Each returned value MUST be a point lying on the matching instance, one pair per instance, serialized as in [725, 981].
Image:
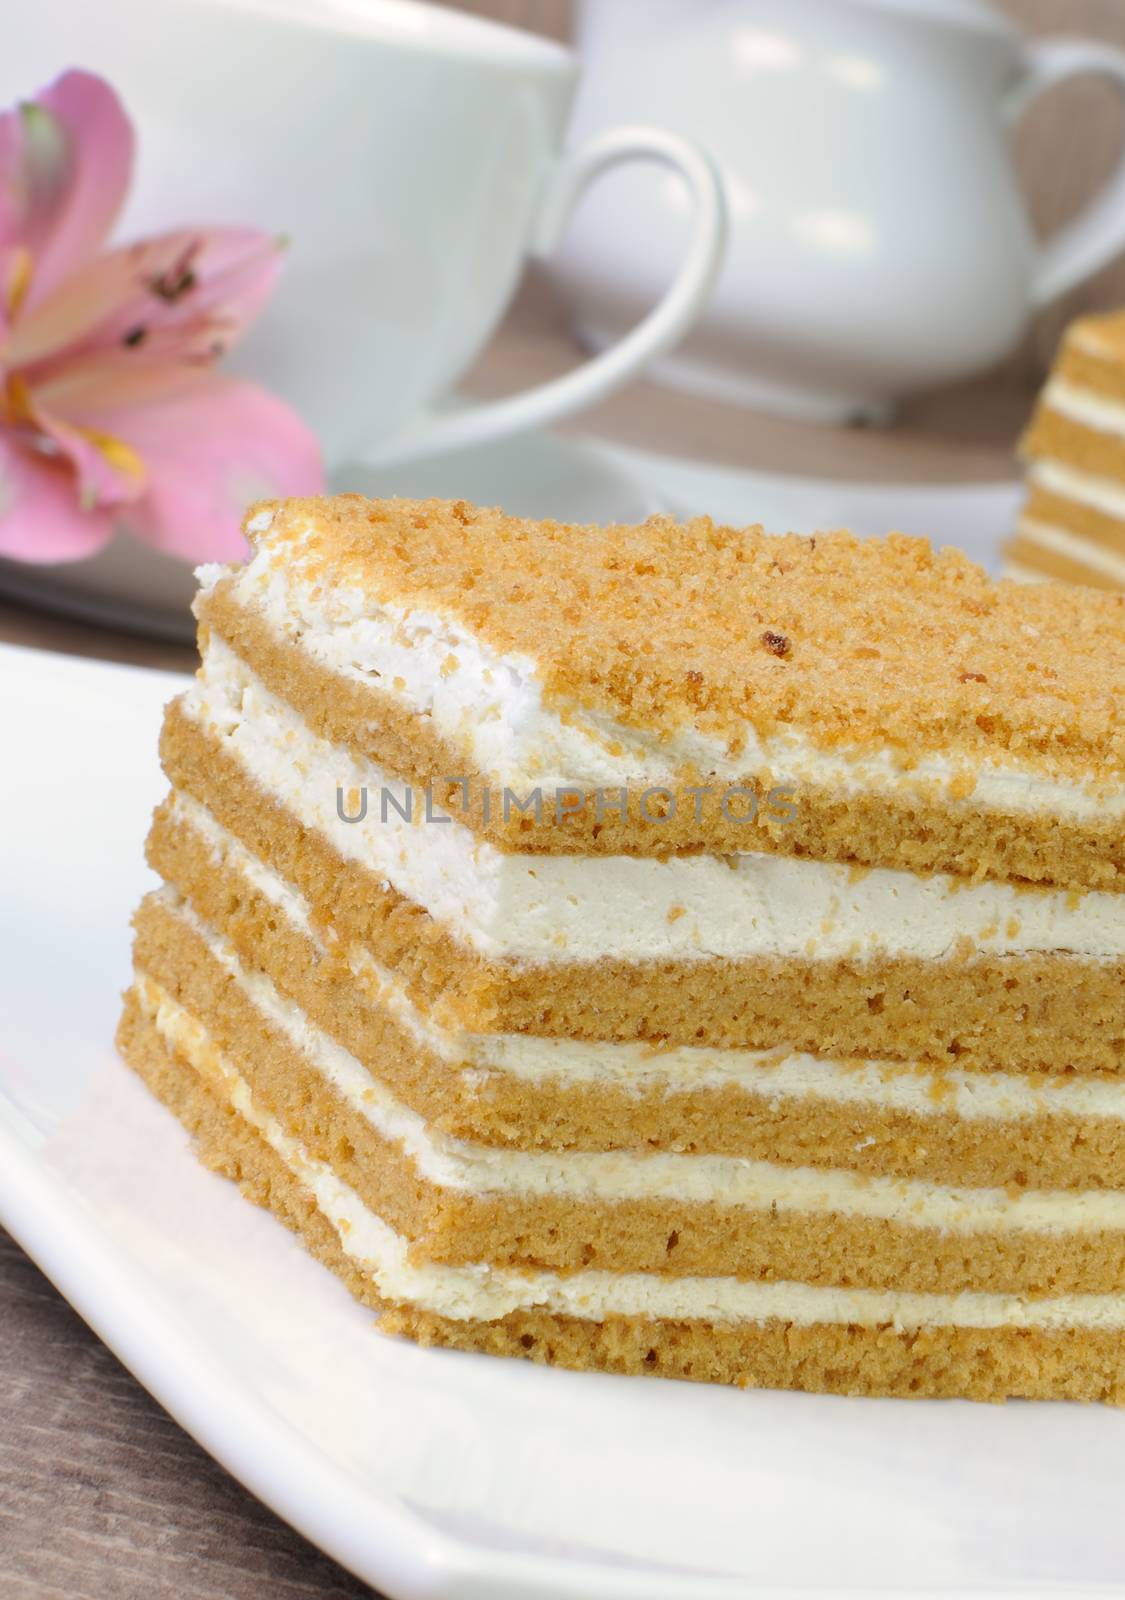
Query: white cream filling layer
[621, 1175]
[1064, 542]
[486, 1293]
[575, 908]
[778, 1075]
[1106, 495]
[1085, 406]
[491, 706]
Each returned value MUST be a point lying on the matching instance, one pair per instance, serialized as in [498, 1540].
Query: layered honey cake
[1072, 525]
[669, 949]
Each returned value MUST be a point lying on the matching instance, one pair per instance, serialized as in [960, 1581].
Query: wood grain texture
[103, 1496]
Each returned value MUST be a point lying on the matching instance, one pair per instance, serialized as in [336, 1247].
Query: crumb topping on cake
[850, 642]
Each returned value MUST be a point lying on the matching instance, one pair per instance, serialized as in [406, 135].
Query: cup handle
[664, 325]
[1097, 233]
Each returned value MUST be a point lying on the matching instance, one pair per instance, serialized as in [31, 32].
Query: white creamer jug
[879, 240]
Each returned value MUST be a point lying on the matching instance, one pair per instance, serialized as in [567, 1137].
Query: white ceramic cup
[412, 156]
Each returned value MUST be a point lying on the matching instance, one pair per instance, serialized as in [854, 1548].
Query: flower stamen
[15, 403]
[115, 452]
[20, 274]
[179, 279]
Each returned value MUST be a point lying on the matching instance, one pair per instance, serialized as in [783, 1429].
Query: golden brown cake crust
[1107, 532]
[1045, 1151]
[1048, 1013]
[992, 1364]
[912, 831]
[868, 644]
[1092, 355]
[1054, 437]
[687, 1238]
[826, 1358]
[1091, 359]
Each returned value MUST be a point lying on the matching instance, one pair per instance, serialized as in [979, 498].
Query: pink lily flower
[112, 411]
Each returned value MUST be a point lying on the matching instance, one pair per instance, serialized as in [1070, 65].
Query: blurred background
[877, 372]
[1065, 148]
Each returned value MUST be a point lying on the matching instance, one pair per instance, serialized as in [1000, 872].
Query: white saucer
[130, 586]
[436, 1475]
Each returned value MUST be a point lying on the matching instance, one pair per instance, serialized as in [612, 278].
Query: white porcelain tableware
[411, 156]
[879, 242]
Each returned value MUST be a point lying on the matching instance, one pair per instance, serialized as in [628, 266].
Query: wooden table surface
[102, 1496]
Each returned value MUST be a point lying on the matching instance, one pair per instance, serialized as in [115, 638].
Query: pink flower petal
[185, 296]
[107, 471]
[109, 382]
[66, 159]
[40, 519]
[207, 455]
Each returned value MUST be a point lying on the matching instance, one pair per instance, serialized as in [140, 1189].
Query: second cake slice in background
[1072, 525]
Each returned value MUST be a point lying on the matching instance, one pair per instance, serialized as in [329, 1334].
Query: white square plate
[434, 1473]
